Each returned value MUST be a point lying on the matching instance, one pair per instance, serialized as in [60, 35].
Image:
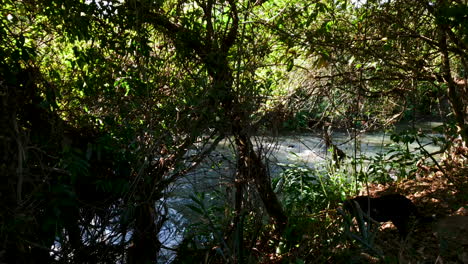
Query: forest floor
[440, 193]
[443, 194]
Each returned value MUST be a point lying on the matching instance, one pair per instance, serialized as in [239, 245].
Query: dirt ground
[440, 191]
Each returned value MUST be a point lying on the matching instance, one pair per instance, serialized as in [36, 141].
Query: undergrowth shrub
[306, 190]
[310, 196]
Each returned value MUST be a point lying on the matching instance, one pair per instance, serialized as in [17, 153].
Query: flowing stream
[216, 173]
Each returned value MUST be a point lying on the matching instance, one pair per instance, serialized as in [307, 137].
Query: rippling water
[217, 171]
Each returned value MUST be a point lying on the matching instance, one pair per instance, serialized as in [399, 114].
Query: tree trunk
[455, 93]
[213, 53]
[338, 155]
[146, 244]
[250, 165]
[253, 169]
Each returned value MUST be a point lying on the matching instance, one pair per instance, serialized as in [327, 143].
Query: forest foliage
[106, 106]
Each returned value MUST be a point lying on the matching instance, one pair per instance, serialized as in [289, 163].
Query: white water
[307, 150]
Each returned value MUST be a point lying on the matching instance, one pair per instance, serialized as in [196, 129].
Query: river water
[216, 173]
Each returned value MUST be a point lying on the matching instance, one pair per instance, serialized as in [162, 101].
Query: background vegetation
[108, 106]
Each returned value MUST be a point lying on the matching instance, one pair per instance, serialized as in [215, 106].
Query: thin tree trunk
[254, 169]
[146, 244]
[238, 197]
[455, 94]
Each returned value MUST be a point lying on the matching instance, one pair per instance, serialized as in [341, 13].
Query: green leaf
[195, 209]
[290, 64]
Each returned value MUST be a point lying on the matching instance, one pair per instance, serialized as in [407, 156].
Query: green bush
[305, 190]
